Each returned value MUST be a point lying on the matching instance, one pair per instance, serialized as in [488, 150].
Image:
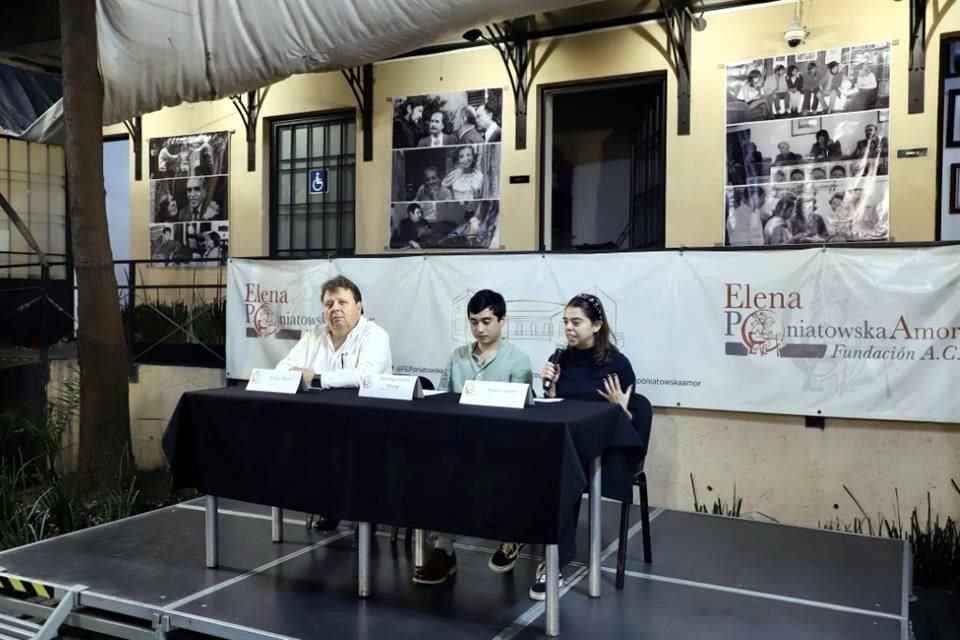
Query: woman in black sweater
[590, 368]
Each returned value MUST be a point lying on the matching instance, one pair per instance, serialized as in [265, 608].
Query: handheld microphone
[553, 359]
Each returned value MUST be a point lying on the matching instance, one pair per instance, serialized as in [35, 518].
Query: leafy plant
[210, 322]
[165, 322]
[15, 441]
[29, 513]
[719, 508]
[62, 506]
[38, 439]
[935, 545]
[116, 502]
[157, 322]
[36, 499]
[21, 521]
[60, 413]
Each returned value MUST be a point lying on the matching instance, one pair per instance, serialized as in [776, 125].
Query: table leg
[363, 546]
[276, 525]
[553, 591]
[210, 527]
[595, 518]
[419, 548]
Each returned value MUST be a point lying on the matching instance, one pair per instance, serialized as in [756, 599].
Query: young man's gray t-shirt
[509, 364]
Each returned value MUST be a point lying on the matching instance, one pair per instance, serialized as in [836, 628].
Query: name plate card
[390, 387]
[275, 381]
[484, 393]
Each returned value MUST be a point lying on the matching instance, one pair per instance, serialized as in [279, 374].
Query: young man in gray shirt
[491, 358]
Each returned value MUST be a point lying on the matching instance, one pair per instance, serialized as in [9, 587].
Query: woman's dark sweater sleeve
[624, 371]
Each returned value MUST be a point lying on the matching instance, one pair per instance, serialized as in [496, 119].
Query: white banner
[859, 333]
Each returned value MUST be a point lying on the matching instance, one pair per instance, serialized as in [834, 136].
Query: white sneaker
[538, 590]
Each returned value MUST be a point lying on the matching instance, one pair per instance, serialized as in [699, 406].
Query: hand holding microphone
[551, 373]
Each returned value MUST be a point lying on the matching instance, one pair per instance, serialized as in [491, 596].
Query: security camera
[795, 34]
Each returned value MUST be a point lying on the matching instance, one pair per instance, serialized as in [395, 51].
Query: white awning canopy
[165, 52]
[162, 53]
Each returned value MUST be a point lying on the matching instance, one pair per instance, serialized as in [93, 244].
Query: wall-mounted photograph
[808, 147]
[843, 80]
[446, 161]
[472, 224]
[189, 189]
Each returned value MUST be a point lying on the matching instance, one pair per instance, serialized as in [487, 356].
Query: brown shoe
[439, 566]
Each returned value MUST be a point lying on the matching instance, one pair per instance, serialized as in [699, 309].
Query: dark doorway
[604, 152]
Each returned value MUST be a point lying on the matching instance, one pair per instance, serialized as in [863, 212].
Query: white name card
[275, 381]
[390, 387]
[509, 395]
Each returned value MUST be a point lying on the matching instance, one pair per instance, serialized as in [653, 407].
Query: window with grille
[302, 223]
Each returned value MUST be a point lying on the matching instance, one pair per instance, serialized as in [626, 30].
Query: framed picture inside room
[953, 122]
[805, 126]
[955, 187]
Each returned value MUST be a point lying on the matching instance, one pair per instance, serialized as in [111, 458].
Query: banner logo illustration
[762, 333]
[264, 321]
[754, 316]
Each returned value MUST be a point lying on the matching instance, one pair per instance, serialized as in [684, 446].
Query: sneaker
[505, 557]
[538, 591]
[439, 566]
[323, 523]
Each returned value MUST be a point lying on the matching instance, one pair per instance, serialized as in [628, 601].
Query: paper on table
[547, 400]
[432, 392]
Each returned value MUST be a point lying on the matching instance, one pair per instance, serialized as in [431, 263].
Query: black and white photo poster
[807, 149]
[445, 187]
[189, 178]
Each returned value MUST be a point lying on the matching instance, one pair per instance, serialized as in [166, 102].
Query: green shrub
[719, 508]
[935, 544]
[173, 322]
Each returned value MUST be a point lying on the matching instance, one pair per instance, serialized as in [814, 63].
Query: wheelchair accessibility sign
[318, 181]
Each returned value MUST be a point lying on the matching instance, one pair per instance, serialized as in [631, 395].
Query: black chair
[642, 412]
[426, 385]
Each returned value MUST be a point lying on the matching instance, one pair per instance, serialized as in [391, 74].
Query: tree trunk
[104, 451]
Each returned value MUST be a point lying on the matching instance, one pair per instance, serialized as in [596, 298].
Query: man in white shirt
[346, 347]
[340, 352]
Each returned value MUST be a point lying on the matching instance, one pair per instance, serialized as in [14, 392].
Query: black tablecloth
[504, 474]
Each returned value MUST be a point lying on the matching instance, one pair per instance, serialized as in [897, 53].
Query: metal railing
[36, 307]
[173, 315]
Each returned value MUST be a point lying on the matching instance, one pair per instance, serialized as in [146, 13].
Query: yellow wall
[781, 468]
[153, 397]
[249, 191]
[694, 216]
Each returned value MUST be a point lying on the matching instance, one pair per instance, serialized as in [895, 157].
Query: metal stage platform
[711, 577]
